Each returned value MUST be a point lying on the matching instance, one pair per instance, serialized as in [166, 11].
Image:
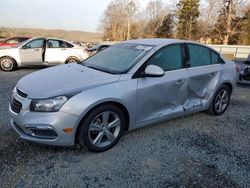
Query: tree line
[208, 21]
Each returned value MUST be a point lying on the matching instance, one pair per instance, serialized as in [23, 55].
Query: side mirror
[154, 71]
[24, 47]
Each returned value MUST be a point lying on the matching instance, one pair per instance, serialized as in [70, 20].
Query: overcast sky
[54, 14]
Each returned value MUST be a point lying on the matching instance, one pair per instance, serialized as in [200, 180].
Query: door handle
[63, 49]
[212, 74]
[35, 50]
[179, 82]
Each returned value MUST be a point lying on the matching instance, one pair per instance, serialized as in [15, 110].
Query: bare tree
[210, 12]
[114, 21]
[228, 25]
[154, 14]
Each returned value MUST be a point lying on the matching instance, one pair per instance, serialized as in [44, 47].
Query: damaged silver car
[128, 85]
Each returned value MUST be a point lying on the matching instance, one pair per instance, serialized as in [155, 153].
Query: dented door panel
[202, 83]
[160, 97]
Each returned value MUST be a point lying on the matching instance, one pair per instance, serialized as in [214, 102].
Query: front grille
[20, 93]
[15, 105]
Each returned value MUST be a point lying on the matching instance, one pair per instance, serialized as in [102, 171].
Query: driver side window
[38, 43]
[168, 58]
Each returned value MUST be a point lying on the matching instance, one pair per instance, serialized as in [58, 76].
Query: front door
[162, 97]
[32, 52]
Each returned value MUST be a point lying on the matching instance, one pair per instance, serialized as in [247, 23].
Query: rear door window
[199, 55]
[53, 44]
[57, 44]
[215, 58]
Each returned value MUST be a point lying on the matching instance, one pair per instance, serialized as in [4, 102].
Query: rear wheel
[102, 128]
[7, 64]
[220, 101]
[72, 60]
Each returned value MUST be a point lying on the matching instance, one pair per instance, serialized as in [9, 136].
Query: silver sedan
[41, 51]
[126, 86]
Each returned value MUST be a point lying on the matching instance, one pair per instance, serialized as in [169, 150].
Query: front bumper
[56, 121]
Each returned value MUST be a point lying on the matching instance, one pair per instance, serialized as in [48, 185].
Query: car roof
[51, 38]
[159, 41]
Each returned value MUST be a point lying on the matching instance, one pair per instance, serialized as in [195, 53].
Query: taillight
[85, 51]
[237, 68]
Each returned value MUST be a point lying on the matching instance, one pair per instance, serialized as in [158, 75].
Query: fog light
[40, 130]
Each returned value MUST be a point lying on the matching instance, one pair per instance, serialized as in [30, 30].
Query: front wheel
[102, 128]
[7, 64]
[220, 101]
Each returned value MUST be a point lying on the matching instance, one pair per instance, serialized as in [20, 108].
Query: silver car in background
[41, 51]
[126, 86]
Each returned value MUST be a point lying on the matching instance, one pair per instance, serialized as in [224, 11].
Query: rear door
[163, 96]
[55, 51]
[32, 52]
[58, 51]
[203, 73]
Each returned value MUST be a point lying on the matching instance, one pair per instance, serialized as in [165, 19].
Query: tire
[102, 128]
[7, 64]
[220, 101]
[72, 60]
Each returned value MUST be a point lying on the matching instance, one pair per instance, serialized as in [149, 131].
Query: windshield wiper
[99, 69]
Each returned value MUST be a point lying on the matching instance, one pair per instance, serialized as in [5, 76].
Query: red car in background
[13, 41]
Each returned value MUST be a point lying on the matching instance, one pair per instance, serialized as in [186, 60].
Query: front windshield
[118, 58]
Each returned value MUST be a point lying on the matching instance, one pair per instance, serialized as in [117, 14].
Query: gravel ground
[194, 151]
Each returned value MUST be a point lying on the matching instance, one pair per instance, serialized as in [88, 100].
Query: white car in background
[41, 51]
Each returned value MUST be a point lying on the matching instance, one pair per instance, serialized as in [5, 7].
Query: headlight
[47, 105]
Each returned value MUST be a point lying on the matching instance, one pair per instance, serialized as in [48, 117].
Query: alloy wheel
[222, 100]
[104, 129]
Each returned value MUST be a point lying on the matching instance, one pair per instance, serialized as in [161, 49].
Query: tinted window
[56, 44]
[215, 58]
[68, 45]
[118, 58]
[199, 55]
[38, 43]
[168, 58]
[53, 44]
[22, 39]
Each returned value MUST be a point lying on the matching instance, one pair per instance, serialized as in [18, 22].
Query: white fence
[233, 51]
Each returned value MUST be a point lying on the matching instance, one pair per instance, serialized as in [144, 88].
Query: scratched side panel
[202, 83]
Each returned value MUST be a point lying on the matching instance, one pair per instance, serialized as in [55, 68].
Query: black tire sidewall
[214, 111]
[84, 127]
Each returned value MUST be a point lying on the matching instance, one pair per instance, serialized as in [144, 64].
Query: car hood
[63, 80]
